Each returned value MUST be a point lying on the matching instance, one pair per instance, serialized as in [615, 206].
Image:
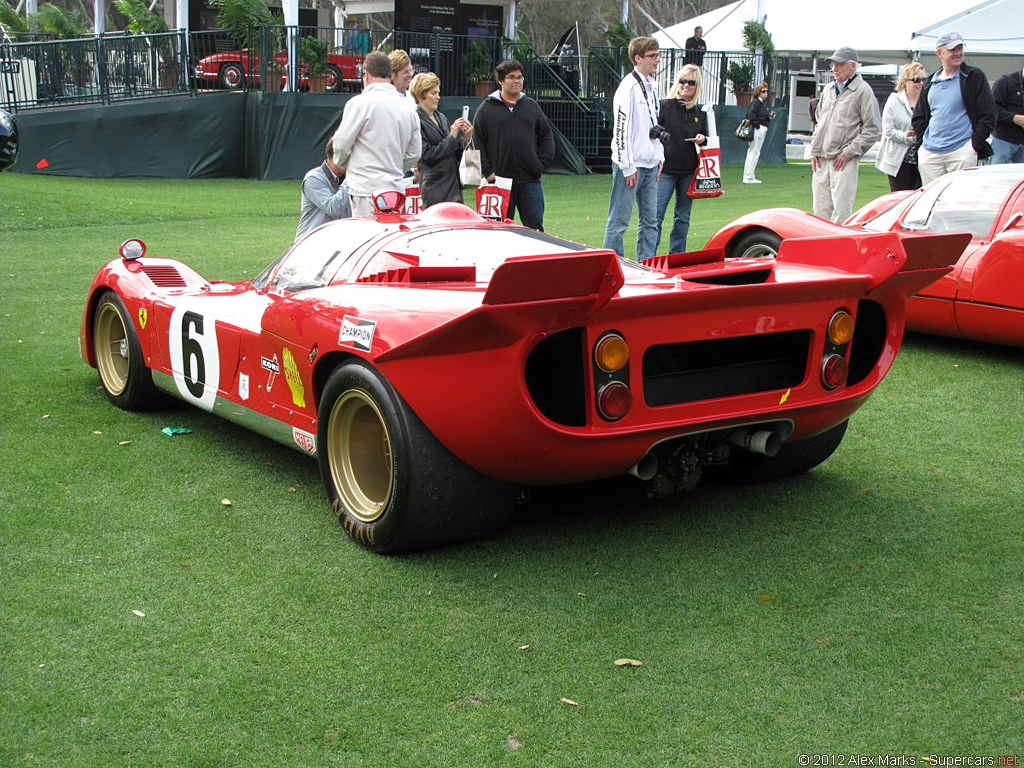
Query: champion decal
[357, 332]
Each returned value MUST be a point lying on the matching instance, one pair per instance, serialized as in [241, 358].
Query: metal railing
[98, 70]
[728, 76]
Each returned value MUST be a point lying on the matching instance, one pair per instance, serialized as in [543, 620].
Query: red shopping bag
[707, 181]
[413, 202]
[492, 198]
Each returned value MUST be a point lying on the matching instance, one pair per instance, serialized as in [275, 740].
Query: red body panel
[208, 68]
[457, 351]
[982, 298]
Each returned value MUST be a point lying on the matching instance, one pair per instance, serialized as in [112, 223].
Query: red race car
[435, 364]
[230, 69]
[982, 298]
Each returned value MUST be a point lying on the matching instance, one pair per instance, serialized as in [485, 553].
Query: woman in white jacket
[897, 157]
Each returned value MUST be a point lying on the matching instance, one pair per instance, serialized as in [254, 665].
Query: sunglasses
[916, 79]
[688, 82]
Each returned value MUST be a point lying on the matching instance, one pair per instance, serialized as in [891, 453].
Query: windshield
[316, 260]
[883, 222]
[485, 248]
[966, 202]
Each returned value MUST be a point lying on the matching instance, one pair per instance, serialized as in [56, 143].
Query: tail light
[614, 400]
[613, 397]
[834, 370]
[611, 353]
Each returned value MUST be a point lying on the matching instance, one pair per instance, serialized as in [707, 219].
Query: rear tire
[334, 83]
[231, 76]
[391, 483]
[126, 380]
[756, 244]
[792, 459]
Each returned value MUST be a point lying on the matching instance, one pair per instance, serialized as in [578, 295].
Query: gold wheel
[359, 455]
[113, 351]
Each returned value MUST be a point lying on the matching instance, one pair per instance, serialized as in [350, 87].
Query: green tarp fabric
[254, 135]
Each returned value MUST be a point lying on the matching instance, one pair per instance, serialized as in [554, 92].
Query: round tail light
[614, 400]
[834, 370]
[611, 353]
[840, 328]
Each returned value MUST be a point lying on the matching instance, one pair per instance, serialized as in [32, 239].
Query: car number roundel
[195, 357]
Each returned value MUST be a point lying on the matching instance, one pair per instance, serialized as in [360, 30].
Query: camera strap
[653, 112]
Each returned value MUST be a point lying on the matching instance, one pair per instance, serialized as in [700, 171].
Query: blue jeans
[667, 184]
[528, 198]
[620, 210]
[1006, 152]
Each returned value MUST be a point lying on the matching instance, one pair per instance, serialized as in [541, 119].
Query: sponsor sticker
[293, 379]
[243, 386]
[304, 440]
[357, 332]
[272, 367]
[143, 317]
[312, 353]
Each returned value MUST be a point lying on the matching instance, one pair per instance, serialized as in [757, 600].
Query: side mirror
[132, 249]
[389, 201]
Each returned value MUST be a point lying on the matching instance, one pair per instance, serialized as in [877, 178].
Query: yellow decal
[785, 396]
[143, 317]
[291, 375]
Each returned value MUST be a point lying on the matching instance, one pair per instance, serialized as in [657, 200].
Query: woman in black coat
[442, 143]
[758, 115]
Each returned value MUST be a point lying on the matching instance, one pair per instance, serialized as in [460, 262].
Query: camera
[657, 132]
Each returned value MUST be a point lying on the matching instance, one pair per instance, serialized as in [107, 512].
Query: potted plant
[313, 53]
[479, 73]
[741, 75]
[755, 37]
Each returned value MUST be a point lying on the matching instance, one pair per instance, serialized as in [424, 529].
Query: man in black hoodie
[515, 141]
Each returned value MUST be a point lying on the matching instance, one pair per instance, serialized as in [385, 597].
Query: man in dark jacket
[515, 141]
[1008, 139]
[954, 115]
[695, 47]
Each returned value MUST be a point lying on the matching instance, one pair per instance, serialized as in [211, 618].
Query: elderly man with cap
[848, 125]
[954, 115]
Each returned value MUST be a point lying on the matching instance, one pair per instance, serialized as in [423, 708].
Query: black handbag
[745, 130]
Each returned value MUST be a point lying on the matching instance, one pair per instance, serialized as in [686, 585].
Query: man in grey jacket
[324, 196]
[848, 125]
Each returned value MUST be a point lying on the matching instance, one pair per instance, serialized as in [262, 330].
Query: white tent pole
[291, 21]
[99, 17]
[625, 12]
[759, 57]
[660, 28]
[510, 25]
[735, 8]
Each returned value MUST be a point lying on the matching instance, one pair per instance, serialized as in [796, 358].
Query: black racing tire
[334, 83]
[394, 487]
[124, 376]
[231, 76]
[755, 244]
[792, 459]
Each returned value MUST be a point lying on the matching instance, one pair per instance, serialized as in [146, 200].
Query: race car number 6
[195, 358]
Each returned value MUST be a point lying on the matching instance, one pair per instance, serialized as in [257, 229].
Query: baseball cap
[843, 55]
[949, 40]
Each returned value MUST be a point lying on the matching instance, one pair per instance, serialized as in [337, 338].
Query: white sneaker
[751, 181]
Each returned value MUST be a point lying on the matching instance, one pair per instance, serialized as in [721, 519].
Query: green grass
[896, 568]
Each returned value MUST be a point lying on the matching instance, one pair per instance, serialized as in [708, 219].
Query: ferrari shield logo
[143, 317]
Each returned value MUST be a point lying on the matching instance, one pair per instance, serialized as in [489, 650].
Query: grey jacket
[848, 123]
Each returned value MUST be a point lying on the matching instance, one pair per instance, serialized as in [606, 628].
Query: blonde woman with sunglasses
[897, 157]
[687, 124]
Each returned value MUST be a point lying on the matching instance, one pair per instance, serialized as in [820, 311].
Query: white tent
[882, 31]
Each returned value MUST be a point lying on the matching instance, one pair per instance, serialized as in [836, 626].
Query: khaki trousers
[833, 191]
[935, 164]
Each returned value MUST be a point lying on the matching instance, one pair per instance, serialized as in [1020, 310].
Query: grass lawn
[872, 606]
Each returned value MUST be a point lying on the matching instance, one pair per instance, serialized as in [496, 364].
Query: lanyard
[652, 112]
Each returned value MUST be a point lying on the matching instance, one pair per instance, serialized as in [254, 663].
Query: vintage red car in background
[982, 298]
[435, 364]
[232, 69]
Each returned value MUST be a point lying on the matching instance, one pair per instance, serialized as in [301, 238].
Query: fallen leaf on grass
[291, 489]
[570, 702]
[581, 594]
[125, 442]
[524, 647]
[225, 502]
[46, 415]
[628, 663]
[762, 598]
[96, 432]
[822, 638]
[140, 614]
[514, 742]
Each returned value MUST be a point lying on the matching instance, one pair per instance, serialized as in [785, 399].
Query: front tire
[126, 380]
[756, 244]
[792, 459]
[230, 76]
[334, 83]
[392, 484]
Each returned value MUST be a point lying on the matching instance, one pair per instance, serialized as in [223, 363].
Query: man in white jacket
[636, 157]
[378, 138]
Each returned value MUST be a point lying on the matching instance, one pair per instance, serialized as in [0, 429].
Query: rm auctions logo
[357, 332]
[304, 440]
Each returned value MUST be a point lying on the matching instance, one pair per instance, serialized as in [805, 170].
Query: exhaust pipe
[646, 468]
[764, 441]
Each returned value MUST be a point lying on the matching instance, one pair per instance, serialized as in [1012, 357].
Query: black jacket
[439, 162]
[1008, 93]
[981, 109]
[515, 143]
[757, 113]
[683, 123]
